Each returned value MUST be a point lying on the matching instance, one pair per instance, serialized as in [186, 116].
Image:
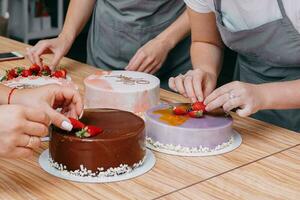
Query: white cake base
[184, 151]
[148, 164]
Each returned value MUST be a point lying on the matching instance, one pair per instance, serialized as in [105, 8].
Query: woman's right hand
[58, 46]
[195, 84]
[20, 130]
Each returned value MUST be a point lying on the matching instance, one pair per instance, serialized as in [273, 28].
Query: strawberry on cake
[125, 90]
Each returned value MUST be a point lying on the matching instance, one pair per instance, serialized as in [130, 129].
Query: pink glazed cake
[124, 90]
[184, 134]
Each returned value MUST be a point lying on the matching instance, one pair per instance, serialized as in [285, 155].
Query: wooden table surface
[266, 160]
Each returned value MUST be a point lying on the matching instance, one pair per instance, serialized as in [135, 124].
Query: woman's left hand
[49, 98]
[248, 98]
[150, 57]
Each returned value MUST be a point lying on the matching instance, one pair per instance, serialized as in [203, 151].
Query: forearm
[78, 14]
[4, 92]
[207, 57]
[177, 31]
[280, 95]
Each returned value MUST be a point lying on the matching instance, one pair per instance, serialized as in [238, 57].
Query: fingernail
[80, 116]
[194, 99]
[66, 126]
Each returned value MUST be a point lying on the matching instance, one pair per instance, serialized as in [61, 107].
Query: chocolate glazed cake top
[121, 142]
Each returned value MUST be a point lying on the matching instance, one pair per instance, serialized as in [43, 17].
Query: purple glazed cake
[184, 134]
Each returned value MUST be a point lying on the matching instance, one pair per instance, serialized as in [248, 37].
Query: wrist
[69, 37]
[265, 100]
[168, 42]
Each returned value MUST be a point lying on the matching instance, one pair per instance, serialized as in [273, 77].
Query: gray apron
[120, 27]
[268, 53]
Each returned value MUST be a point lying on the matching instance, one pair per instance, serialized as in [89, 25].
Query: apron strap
[217, 5]
[281, 7]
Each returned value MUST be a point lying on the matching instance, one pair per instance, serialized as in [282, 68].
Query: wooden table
[266, 164]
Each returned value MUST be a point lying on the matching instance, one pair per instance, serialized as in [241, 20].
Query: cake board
[147, 166]
[237, 141]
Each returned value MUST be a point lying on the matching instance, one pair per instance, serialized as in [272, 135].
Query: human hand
[195, 84]
[150, 57]
[50, 97]
[248, 98]
[58, 46]
[20, 130]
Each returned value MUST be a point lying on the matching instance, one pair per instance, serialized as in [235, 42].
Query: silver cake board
[237, 141]
[147, 166]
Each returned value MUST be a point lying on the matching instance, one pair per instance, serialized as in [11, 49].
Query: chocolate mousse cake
[118, 149]
[184, 134]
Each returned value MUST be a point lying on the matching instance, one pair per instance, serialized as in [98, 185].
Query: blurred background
[31, 20]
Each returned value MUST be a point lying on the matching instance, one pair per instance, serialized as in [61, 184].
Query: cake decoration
[33, 70]
[84, 130]
[188, 128]
[124, 90]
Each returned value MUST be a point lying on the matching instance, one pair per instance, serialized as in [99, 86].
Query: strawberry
[35, 69]
[19, 70]
[60, 74]
[12, 73]
[89, 131]
[179, 110]
[198, 106]
[46, 71]
[196, 113]
[26, 73]
[76, 123]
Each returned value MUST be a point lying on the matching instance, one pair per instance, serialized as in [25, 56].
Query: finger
[218, 102]
[197, 82]
[33, 142]
[137, 62]
[29, 55]
[232, 103]
[37, 115]
[59, 120]
[21, 152]
[188, 85]
[155, 67]
[147, 63]
[36, 129]
[244, 112]
[56, 59]
[72, 96]
[172, 84]
[218, 92]
[179, 85]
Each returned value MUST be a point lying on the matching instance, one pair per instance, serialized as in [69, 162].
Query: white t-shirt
[248, 14]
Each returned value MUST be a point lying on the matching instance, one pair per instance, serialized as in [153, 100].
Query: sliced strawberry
[198, 106]
[196, 113]
[26, 73]
[89, 131]
[64, 72]
[76, 123]
[59, 74]
[46, 71]
[19, 70]
[12, 73]
[35, 69]
[179, 110]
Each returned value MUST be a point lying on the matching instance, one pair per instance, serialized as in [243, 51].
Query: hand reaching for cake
[195, 84]
[51, 97]
[248, 98]
[150, 57]
[20, 130]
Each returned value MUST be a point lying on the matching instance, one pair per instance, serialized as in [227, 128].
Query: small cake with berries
[35, 76]
[187, 128]
[102, 144]
[124, 90]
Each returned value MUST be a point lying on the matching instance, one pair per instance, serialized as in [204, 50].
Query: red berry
[76, 123]
[198, 106]
[179, 110]
[35, 69]
[12, 73]
[26, 73]
[89, 131]
[64, 72]
[196, 113]
[59, 74]
[46, 71]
